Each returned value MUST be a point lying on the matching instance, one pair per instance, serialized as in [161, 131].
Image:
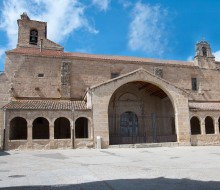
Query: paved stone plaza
[151, 168]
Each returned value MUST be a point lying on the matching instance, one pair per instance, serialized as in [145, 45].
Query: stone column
[6, 137]
[29, 135]
[51, 126]
[90, 125]
[216, 126]
[203, 126]
[72, 132]
[51, 135]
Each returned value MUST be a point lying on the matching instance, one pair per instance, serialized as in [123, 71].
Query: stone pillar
[203, 126]
[6, 136]
[29, 135]
[51, 135]
[51, 131]
[90, 131]
[182, 122]
[216, 126]
[72, 132]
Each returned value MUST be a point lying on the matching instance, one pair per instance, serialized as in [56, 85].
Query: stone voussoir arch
[198, 117]
[102, 93]
[54, 119]
[49, 120]
[213, 118]
[84, 116]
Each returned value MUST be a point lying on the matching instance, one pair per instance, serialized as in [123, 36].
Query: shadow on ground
[130, 184]
[3, 153]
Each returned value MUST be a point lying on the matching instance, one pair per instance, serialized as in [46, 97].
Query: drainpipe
[4, 130]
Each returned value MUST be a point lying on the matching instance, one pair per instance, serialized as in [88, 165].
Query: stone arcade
[56, 99]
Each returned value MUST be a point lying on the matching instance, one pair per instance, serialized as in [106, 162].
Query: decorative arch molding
[102, 93]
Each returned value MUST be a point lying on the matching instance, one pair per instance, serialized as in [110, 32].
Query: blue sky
[165, 29]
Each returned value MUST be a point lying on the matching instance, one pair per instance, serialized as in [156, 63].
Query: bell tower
[204, 57]
[33, 34]
[30, 32]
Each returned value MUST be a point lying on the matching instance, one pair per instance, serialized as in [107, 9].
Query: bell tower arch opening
[141, 112]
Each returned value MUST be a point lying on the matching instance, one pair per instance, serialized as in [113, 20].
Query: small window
[194, 84]
[114, 75]
[40, 75]
[33, 37]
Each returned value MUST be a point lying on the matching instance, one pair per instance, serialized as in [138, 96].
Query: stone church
[56, 99]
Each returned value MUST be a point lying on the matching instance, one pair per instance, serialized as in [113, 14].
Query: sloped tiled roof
[46, 105]
[212, 106]
[57, 53]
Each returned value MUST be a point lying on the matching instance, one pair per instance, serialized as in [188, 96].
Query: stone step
[145, 145]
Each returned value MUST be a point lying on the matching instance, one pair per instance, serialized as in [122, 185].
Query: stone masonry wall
[4, 98]
[86, 73]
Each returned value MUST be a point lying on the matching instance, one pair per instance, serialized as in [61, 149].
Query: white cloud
[63, 17]
[147, 29]
[125, 3]
[101, 4]
[190, 58]
[217, 55]
[10, 13]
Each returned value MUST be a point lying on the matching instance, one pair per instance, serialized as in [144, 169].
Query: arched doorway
[62, 128]
[128, 124]
[40, 128]
[209, 125]
[81, 128]
[18, 129]
[195, 126]
[146, 110]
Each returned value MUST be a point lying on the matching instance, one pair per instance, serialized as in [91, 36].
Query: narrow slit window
[194, 84]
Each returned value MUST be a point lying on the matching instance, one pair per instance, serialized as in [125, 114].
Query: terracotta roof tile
[59, 53]
[214, 106]
[46, 105]
[35, 51]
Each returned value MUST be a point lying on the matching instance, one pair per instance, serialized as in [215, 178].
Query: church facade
[56, 99]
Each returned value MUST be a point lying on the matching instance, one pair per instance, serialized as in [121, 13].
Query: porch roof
[45, 105]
